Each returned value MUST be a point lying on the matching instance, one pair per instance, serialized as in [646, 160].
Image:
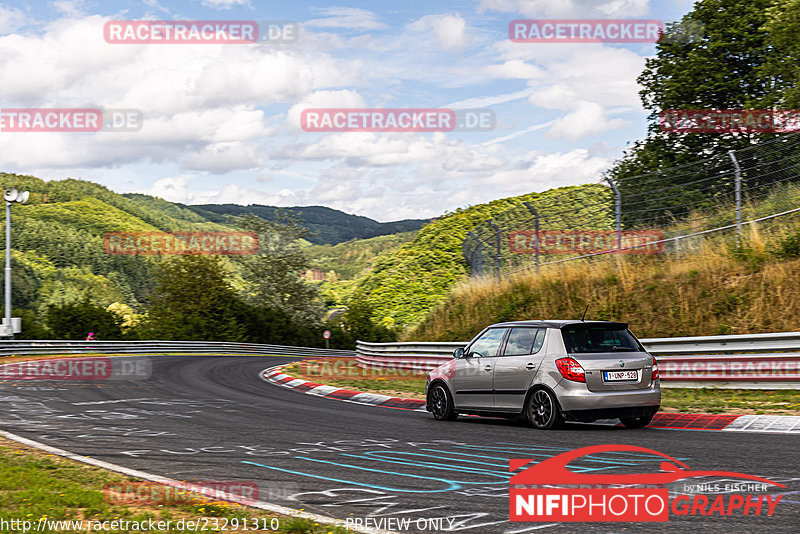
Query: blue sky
[221, 122]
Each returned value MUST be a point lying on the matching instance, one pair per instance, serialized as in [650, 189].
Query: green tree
[273, 277]
[727, 66]
[194, 300]
[357, 322]
[783, 26]
[75, 320]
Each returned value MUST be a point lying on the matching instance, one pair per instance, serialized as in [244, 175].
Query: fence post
[477, 267]
[497, 247]
[738, 181]
[536, 230]
[617, 212]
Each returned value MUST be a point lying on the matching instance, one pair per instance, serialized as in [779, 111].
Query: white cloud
[219, 158]
[213, 110]
[449, 30]
[515, 69]
[322, 100]
[11, 19]
[70, 8]
[568, 8]
[226, 4]
[586, 118]
[347, 18]
[407, 175]
[197, 101]
[582, 81]
[171, 189]
[519, 133]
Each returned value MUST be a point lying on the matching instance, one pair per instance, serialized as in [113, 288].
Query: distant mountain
[330, 226]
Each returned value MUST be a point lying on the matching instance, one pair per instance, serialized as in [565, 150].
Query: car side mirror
[458, 353]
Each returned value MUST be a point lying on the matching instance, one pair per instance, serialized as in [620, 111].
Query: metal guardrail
[26, 347]
[749, 361]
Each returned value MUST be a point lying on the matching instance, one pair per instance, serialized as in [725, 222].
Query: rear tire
[441, 404]
[636, 422]
[542, 410]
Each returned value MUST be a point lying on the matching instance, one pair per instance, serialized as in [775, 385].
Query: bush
[788, 247]
[76, 320]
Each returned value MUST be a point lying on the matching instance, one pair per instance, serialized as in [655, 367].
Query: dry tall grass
[716, 288]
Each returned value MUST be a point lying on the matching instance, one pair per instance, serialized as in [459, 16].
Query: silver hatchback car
[549, 372]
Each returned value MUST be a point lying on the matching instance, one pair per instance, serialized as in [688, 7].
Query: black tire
[543, 411]
[636, 422]
[441, 404]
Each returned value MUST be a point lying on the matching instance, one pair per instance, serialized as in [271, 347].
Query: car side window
[488, 344]
[524, 341]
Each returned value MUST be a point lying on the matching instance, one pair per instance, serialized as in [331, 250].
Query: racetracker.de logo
[180, 243]
[585, 242]
[537, 493]
[397, 120]
[189, 492]
[69, 120]
[585, 31]
[729, 120]
[199, 32]
[94, 368]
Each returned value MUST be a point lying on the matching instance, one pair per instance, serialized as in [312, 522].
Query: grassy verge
[716, 286]
[36, 486]
[346, 374]
[731, 401]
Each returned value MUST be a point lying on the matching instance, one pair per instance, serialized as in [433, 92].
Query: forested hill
[329, 226]
[57, 243]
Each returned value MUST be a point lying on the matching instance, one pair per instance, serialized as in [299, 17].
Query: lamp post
[10, 195]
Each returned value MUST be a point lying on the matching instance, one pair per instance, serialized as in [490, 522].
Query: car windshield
[598, 338]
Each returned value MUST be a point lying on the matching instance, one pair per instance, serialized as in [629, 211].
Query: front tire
[636, 422]
[542, 410]
[442, 404]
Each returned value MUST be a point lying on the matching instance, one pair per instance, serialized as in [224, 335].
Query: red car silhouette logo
[553, 471]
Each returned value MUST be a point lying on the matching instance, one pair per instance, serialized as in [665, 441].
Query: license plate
[619, 376]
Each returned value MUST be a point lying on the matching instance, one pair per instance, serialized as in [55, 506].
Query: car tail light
[656, 372]
[570, 369]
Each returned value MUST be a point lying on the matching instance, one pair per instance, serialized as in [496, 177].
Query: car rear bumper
[610, 413]
[576, 397]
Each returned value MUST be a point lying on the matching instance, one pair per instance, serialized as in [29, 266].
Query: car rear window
[598, 338]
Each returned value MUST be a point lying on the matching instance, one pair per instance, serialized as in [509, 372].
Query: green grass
[35, 485]
[781, 401]
[346, 374]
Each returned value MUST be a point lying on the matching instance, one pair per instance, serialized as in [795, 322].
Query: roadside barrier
[26, 347]
[748, 361]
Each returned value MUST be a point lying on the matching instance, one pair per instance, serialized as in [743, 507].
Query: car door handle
[530, 366]
[487, 368]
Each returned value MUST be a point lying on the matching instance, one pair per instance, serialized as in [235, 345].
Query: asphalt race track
[214, 418]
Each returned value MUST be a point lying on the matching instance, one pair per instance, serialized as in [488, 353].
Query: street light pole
[7, 319]
[10, 195]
